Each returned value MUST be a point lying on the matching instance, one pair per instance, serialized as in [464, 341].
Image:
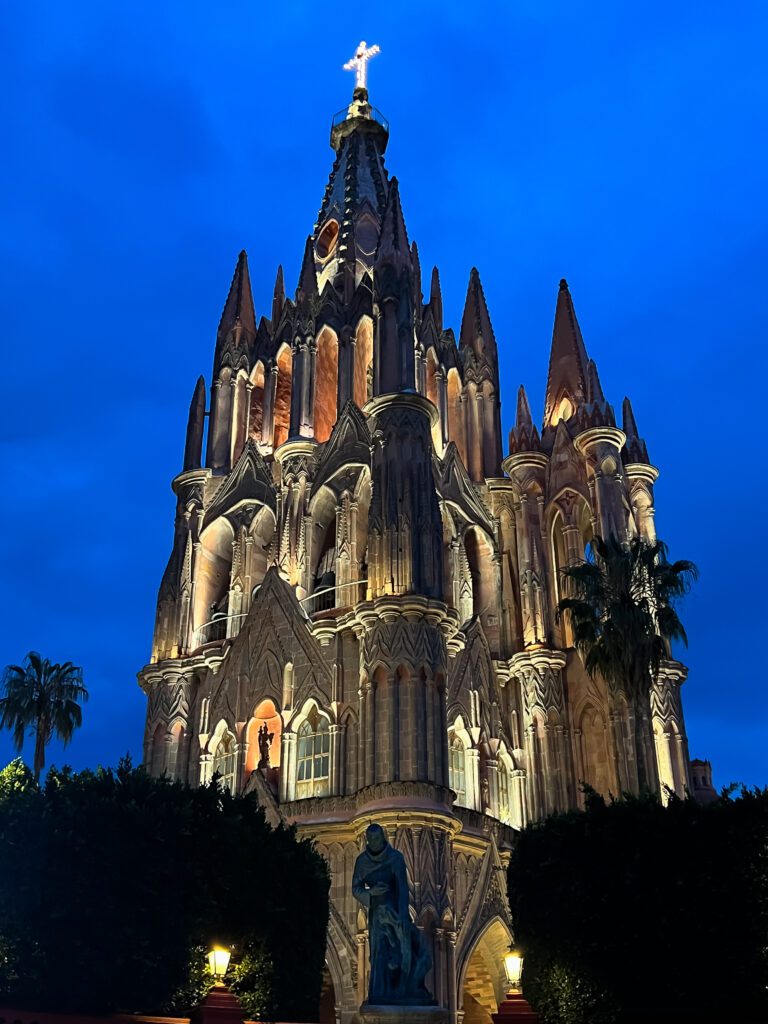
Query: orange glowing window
[326, 241]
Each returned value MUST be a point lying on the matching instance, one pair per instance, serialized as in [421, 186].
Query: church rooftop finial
[359, 63]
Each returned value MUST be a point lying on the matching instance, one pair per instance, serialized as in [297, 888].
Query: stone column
[268, 417]
[288, 767]
[451, 978]
[336, 780]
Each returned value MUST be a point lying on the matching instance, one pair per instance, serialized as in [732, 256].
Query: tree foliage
[622, 610]
[113, 884]
[632, 911]
[44, 699]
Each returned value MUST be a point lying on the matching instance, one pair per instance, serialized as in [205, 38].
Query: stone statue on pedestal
[399, 957]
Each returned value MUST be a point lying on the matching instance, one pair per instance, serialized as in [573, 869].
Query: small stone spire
[635, 449]
[436, 300]
[238, 309]
[278, 296]
[476, 330]
[567, 377]
[193, 448]
[594, 389]
[307, 286]
[416, 269]
[393, 242]
[524, 418]
[523, 437]
[237, 327]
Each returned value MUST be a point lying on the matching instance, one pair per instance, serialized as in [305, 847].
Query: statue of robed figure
[399, 957]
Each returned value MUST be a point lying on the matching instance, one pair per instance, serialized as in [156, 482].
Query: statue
[399, 957]
[265, 742]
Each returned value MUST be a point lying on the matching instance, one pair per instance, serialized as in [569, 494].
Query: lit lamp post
[220, 1006]
[218, 962]
[515, 1009]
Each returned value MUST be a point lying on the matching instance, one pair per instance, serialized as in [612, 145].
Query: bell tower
[358, 618]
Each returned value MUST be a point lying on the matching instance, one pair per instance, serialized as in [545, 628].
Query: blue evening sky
[621, 146]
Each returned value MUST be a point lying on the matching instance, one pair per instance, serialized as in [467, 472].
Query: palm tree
[622, 613]
[43, 699]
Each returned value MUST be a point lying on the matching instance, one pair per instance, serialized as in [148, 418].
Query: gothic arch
[594, 749]
[266, 714]
[456, 428]
[240, 409]
[213, 566]
[480, 971]
[325, 408]
[256, 413]
[363, 368]
[282, 407]
[432, 385]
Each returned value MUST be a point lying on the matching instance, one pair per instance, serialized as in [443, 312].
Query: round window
[326, 240]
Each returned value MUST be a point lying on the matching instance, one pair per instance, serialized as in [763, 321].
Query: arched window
[457, 773]
[505, 806]
[224, 762]
[313, 756]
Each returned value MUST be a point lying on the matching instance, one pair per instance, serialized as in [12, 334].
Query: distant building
[357, 619]
[701, 782]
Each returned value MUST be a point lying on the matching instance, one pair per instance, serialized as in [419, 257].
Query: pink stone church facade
[358, 616]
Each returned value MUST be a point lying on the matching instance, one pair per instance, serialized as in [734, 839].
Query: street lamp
[513, 967]
[218, 962]
[515, 1009]
[220, 1006]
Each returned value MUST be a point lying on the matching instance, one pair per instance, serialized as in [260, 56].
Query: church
[358, 620]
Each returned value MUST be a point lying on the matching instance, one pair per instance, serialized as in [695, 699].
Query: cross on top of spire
[359, 63]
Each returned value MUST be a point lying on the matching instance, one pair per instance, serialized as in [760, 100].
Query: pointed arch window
[457, 771]
[313, 756]
[224, 762]
[505, 807]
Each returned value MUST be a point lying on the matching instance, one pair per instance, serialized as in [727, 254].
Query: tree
[631, 911]
[113, 884]
[622, 612]
[42, 699]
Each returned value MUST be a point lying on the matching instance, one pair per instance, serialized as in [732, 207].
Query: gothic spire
[307, 286]
[237, 327]
[436, 300]
[278, 296]
[567, 378]
[476, 330]
[523, 418]
[594, 388]
[635, 449]
[193, 449]
[523, 437]
[393, 247]
[416, 266]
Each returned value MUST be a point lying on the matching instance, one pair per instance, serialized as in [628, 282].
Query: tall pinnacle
[476, 330]
[523, 418]
[567, 378]
[436, 300]
[308, 276]
[635, 449]
[393, 241]
[238, 309]
[237, 327]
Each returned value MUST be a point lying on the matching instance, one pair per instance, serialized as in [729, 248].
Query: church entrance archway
[327, 1013]
[482, 984]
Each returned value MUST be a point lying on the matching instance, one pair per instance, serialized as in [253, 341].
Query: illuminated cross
[359, 63]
